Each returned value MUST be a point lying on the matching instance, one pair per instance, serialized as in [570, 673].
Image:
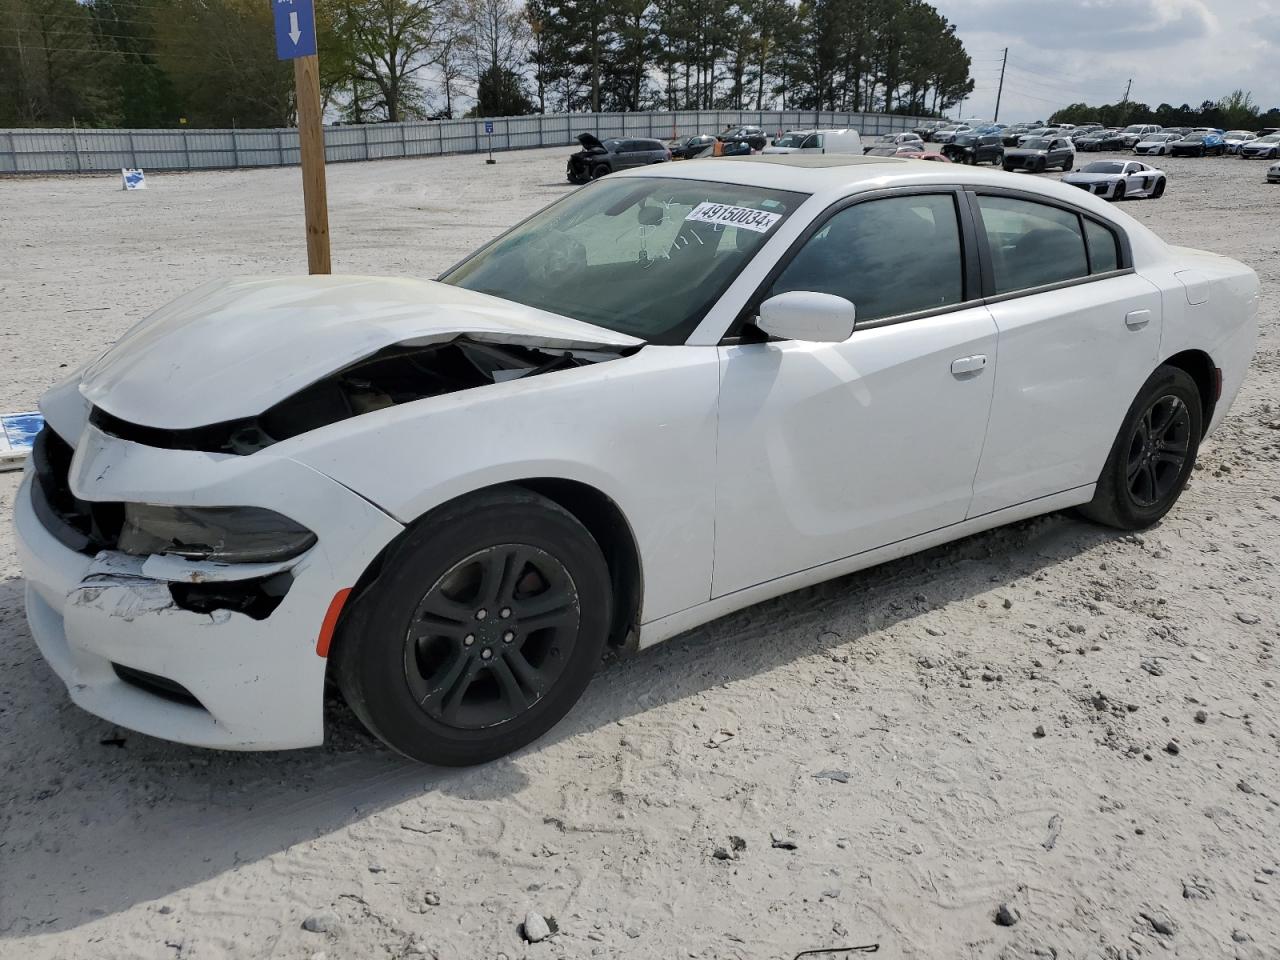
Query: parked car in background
[1198, 145]
[1015, 130]
[1099, 140]
[658, 401]
[1043, 133]
[598, 158]
[687, 148]
[817, 141]
[1136, 131]
[1039, 154]
[1235, 139]
[893, 140]
[947, 134]
[925, 130]
[1266, 148]
[1156, 144]
[973, 148]
[754, 136]
[928, 155]
[1118, 179]
[891, 150]
[1273, 173]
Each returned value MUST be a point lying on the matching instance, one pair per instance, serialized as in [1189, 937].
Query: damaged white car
[671, 394]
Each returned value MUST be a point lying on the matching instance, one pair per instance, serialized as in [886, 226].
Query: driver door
[826, 450]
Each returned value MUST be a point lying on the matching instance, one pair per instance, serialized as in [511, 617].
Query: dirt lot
[1079, 724]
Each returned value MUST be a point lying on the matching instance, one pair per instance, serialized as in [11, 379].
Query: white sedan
[673, 393]
[1119, 179]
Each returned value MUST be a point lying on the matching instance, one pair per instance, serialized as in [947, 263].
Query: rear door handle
[1137, 319]
[965, 365]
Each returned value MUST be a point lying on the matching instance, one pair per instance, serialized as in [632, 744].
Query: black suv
[597, 157]
[975, 148]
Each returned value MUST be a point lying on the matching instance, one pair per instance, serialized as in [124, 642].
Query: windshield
[1194, 138]
[1270, 138]
[1104, 166]
[645, 256]
[790, 140]
[1037, 144]
[1237, 134]
[1133, 128]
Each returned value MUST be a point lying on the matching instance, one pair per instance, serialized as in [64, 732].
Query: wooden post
[315, 200]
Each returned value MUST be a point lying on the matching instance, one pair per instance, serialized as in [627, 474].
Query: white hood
[233, 348]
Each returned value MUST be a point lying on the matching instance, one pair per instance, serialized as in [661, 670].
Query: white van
[817, 141]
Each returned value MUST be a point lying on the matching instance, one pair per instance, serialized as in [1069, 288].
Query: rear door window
[1032, 244]
[1104, 248]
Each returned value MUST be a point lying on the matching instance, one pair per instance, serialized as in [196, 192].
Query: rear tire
[1007, 167]
[1153, 454]
[1158, 192]
[481, 631]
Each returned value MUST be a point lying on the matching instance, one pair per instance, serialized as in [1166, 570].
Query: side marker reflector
[331, 621]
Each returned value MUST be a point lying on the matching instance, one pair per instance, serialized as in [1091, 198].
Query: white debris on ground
[1052, 724]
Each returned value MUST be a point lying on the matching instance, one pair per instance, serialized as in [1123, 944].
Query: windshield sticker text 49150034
[724, 214]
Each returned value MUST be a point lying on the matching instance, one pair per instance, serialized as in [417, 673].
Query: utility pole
[1127, 87]
[1000, 89]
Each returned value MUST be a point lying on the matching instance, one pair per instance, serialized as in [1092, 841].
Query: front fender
[640, 429]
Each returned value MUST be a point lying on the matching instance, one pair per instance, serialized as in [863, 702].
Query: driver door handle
[964, 365]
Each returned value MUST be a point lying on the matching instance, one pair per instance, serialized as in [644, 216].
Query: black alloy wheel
[480, 628]
[1153, 454]
[491, 636]
[1158, 450]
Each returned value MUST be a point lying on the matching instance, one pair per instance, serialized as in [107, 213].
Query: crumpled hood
[232, 348]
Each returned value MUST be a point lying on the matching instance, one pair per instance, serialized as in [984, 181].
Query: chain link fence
[96, 151]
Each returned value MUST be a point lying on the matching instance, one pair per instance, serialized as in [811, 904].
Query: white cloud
[1175, 51]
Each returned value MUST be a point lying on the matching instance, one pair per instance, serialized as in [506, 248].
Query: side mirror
[804, 315]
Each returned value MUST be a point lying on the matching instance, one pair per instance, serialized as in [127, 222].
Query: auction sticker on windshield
[731, 216]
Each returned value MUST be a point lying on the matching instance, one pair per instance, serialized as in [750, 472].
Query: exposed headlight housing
[226, 534]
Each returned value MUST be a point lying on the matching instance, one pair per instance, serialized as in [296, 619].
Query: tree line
[1236, 111]
[212, 63]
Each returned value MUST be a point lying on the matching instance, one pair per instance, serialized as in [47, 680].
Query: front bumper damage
[116, 630]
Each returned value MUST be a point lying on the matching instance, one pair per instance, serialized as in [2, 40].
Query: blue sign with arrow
[295, 28]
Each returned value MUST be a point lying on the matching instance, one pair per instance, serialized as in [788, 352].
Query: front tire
[481, 631]
[1119, 192]
[600, 170]
[1153, 455]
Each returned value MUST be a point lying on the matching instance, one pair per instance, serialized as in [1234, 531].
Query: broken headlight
[227, 534]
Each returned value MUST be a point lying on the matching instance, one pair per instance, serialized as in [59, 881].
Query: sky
[1067, 51]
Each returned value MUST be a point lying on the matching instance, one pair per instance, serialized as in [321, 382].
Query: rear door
[1079, 333]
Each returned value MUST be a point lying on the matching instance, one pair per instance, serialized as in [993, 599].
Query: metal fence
[94, 151]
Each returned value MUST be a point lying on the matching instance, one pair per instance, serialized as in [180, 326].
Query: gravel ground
[1078, 725]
